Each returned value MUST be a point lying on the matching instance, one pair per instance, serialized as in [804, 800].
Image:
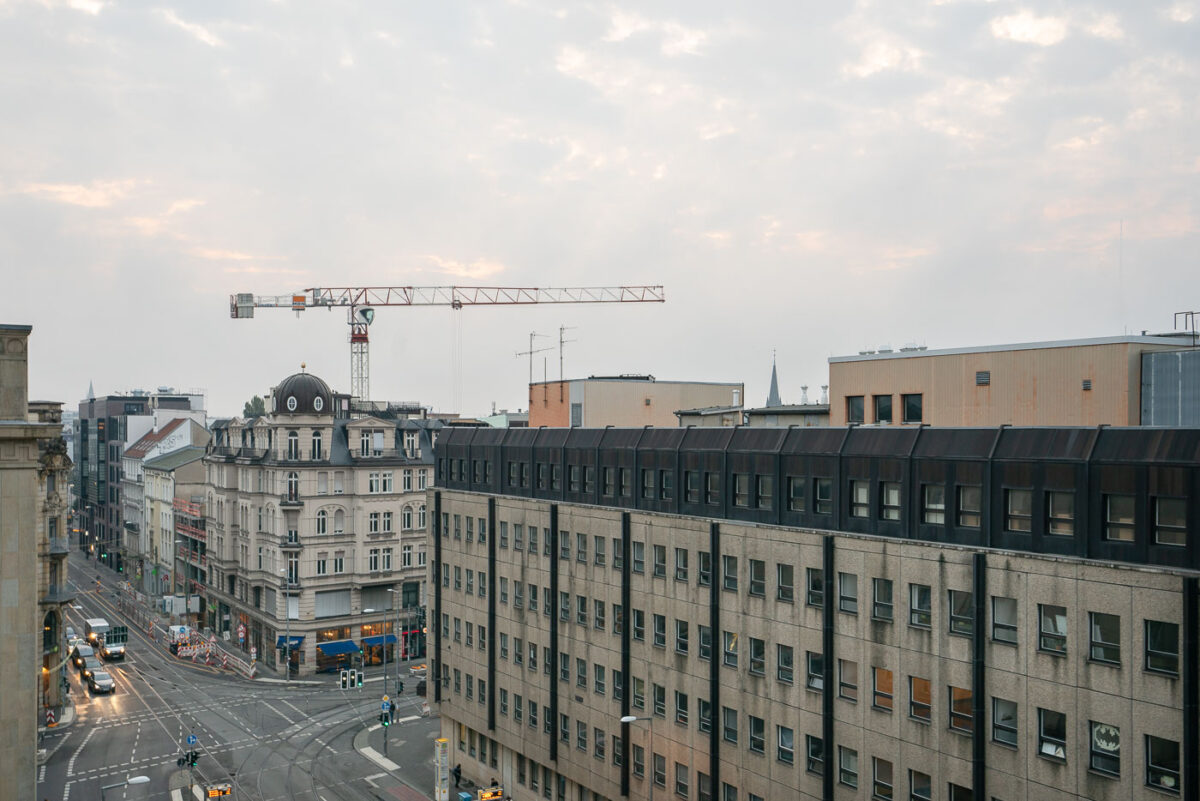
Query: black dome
[303, 393]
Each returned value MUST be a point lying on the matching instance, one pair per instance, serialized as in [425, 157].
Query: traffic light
[193, 758]
[385, 719]
[359, 678]
[399, 686]
[345, 679]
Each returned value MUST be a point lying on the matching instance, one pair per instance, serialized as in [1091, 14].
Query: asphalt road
[268, 740]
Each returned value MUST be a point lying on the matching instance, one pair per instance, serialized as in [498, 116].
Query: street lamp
[396, 602]
[627, 719]
[130, 780]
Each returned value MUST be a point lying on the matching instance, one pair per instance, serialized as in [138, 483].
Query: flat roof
[21, 329]
[636, 380]
[1170, 340]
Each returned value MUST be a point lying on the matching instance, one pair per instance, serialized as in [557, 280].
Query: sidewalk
[409, 757]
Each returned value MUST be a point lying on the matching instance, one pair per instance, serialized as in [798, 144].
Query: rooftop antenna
[532, 351]
[1189, 321]
[562, 330]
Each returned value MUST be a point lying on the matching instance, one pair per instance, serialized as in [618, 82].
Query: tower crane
[360, 303]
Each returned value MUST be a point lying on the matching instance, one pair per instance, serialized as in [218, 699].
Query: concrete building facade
[315, 530]
[33, 481]
[1085, 382]
[821, 613]
[626, 400]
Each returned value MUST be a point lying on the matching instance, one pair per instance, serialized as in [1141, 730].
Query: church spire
[773, 395]
[91, 391]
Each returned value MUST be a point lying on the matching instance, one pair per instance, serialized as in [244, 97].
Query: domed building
[316, 513]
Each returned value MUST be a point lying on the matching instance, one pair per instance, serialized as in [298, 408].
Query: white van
[94, 629]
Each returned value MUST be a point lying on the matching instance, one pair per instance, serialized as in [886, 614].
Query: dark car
[82, 652]
[90, 665]
[421, 688]
[100, 682]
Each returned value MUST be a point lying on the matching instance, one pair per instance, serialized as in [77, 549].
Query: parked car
[82, 652]
[71, 634]
[100, 682]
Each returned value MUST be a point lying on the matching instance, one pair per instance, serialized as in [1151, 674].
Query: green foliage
[255, 407]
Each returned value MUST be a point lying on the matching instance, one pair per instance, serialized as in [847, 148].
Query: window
[1052, 629]
[823, 496]
[639, 693]
[764, 492]
[784, 589]
[1105, 748]
[847, 766]
[1170, 522]
[883, 408]
[503, 533]
[607, 481]
[681, 636]
[682, 772]
[1004, 620]
[1162, 647]
[1004, 721]
[639, 557]
[881, 788]
[1118, 518]
[920, 786]
[860, 499]
[504, 702]
[882, 609]
[848, 680]
[960, 793]
[648, 485]
[618, 554]
[639, 624]
[598, 684]
[889, 497]
[758, 657]
[712, 488]
[741, 489]
[848, 593]
[920, 700]
[660, 561]
[911, 405]
[704, 715]
[816, 586]
[1018, 510]
[962, 613]
[704, 571]
[1162, 764]
[581, 547]
[1105, 638]
[933, 504]
[1060, 514]
[784, 658]
[814, 750]
[785, 745]
[970, 506]
[518, 536]
[1052, 734]
[705, 642]
[729, 573]
[757, 738]
[691, 486]
[920, 612]
[795, 491]
[961, 716]
[816, 672]
[660, 631]
[882, 698]
[730, 658]
[729, 726]
[322, 521]
[758, 577]
[681, 708]
[681, 564]
[598, 554]
[854, 409]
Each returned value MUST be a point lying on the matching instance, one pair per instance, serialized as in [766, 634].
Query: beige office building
[625, 400]
[1084, 382]
[920, 614]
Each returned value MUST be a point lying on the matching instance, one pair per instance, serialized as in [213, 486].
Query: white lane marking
[408, 718]
[67, 790]
[379, 759]
[299, 711]
[74, 756]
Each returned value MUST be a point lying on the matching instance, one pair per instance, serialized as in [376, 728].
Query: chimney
[825, 394]
[804, 395]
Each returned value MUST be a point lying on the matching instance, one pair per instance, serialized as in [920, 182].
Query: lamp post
[396, 598]
[130, 780]
[627, 719]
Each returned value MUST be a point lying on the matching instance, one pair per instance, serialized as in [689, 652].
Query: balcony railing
[57, 594]
[290, 499]
[60, 545]
[291, 544]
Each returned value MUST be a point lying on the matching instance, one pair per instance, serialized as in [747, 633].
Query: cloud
[677, 39]
[478, 269]
[217, 254]
[199, 32]
[1181, 12]
[1106, 26]
[96, 195]
[884, 53]
[1027, 28]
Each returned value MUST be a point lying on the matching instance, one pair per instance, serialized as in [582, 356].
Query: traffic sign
[191, 739]
[241, 632]
[387, 698]
[385, 706]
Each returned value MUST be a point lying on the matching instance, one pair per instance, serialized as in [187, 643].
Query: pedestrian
[457, 773]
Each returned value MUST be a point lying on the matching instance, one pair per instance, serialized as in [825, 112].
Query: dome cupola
[303, 393]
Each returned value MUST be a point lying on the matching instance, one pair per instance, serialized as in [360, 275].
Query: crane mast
[360, 303]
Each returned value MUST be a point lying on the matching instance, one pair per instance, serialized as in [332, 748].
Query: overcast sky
[809, 178]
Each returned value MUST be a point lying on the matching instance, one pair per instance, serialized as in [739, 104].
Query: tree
[255, 407]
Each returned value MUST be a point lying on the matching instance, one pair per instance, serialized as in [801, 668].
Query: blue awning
[338, 647]
[380, 639]
[297, 639]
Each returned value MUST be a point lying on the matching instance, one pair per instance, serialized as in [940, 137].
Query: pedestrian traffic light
[359, 678]
[193, 758]
[345, 679]
[385, 719]
[399, 686]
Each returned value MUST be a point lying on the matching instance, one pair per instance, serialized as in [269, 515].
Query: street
[266, 739]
